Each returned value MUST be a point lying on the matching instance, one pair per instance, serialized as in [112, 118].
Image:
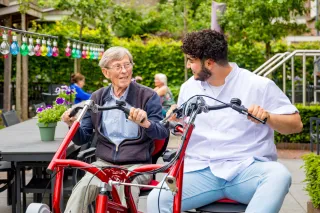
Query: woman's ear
[105, 72]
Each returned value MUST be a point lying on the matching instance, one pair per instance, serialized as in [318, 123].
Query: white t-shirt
[225, 140]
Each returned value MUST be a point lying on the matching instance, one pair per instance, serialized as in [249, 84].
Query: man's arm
[85, 130]
[282, 116]
[284, 124]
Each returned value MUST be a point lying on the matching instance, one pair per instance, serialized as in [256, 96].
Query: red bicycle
[108, 200]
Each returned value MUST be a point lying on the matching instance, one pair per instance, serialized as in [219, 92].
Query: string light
[55, 50]
[5, 47]
[14, 47]
[37, 48]
[24, 50]
[31, 47]
[68, 50]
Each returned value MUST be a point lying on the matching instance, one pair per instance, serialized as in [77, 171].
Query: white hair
[162, 78]
[114, 54]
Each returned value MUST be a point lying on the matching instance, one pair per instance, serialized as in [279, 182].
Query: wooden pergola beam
[4, 3]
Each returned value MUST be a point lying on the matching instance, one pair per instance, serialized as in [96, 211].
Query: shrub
[312, 171]
[305, 112]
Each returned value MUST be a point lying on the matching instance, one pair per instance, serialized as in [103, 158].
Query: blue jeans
[263, 185]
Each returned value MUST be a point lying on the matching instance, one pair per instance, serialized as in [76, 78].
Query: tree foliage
[127, 21]
[250, 21]
[85, 12]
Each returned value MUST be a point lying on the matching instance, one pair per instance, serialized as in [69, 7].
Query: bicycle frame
[103, 205]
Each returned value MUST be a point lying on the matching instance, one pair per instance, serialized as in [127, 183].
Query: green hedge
[303, 137]
[312, 171]
[156, 55]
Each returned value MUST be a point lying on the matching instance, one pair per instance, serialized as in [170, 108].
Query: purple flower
[64, 87]
[68, 92]
[49, 107]
[60, 101]
[57, 90]
[39, 109]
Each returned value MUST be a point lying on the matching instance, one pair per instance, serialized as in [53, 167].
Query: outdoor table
[21, 144]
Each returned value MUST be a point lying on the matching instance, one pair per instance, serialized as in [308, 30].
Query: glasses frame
[122, 66]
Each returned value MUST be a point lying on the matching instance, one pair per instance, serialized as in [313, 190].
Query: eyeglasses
[118, 67]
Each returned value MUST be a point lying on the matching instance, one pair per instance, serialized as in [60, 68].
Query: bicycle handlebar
[234, 104]
[96, 108]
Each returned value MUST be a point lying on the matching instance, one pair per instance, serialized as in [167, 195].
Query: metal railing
[304, 53]
[270, 61]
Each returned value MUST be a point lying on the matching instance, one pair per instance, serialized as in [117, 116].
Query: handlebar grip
[73, 112]
[264, 121]
[127, 112]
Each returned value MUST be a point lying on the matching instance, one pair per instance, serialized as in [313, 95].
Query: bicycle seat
[223, 205]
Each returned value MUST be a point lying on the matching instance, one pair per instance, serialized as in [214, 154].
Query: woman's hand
[65, 117]
[138, 115]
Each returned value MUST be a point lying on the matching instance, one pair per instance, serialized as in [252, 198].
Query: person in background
[166, 97]
[77, 82]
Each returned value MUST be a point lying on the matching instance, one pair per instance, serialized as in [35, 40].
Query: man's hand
[137, 115]
[65, 118]
[258, 112]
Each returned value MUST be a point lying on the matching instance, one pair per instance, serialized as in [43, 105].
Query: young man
[230, 155]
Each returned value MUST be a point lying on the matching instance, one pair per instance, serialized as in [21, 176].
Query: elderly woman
[121, 141]
[77, 83]
[160, 81]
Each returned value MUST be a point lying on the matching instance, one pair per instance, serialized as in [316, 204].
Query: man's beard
[204, 74]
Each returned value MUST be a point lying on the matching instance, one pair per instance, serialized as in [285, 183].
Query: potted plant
[49, 116]
[312, 171]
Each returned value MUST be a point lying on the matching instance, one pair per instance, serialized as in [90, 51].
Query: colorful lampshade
[78, 51]
[37, 48]
[5, 47]
[31, 47]
[24, 50]
[49, 48]
[74, 50]
[14, 47]
[55, 50]
[84, 52]
[44, 49]
[68, 50]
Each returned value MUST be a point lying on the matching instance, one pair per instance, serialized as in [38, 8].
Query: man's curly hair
[206, 44]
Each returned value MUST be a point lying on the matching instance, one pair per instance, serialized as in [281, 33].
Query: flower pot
[47, 131]
[311, 208]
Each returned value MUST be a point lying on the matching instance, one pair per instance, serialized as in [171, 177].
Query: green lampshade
[24, 50]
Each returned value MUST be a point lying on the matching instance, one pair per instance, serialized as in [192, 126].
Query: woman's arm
[82, 94]
[162, 91]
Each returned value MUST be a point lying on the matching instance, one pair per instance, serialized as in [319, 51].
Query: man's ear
[209, 62]
[105, 72]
